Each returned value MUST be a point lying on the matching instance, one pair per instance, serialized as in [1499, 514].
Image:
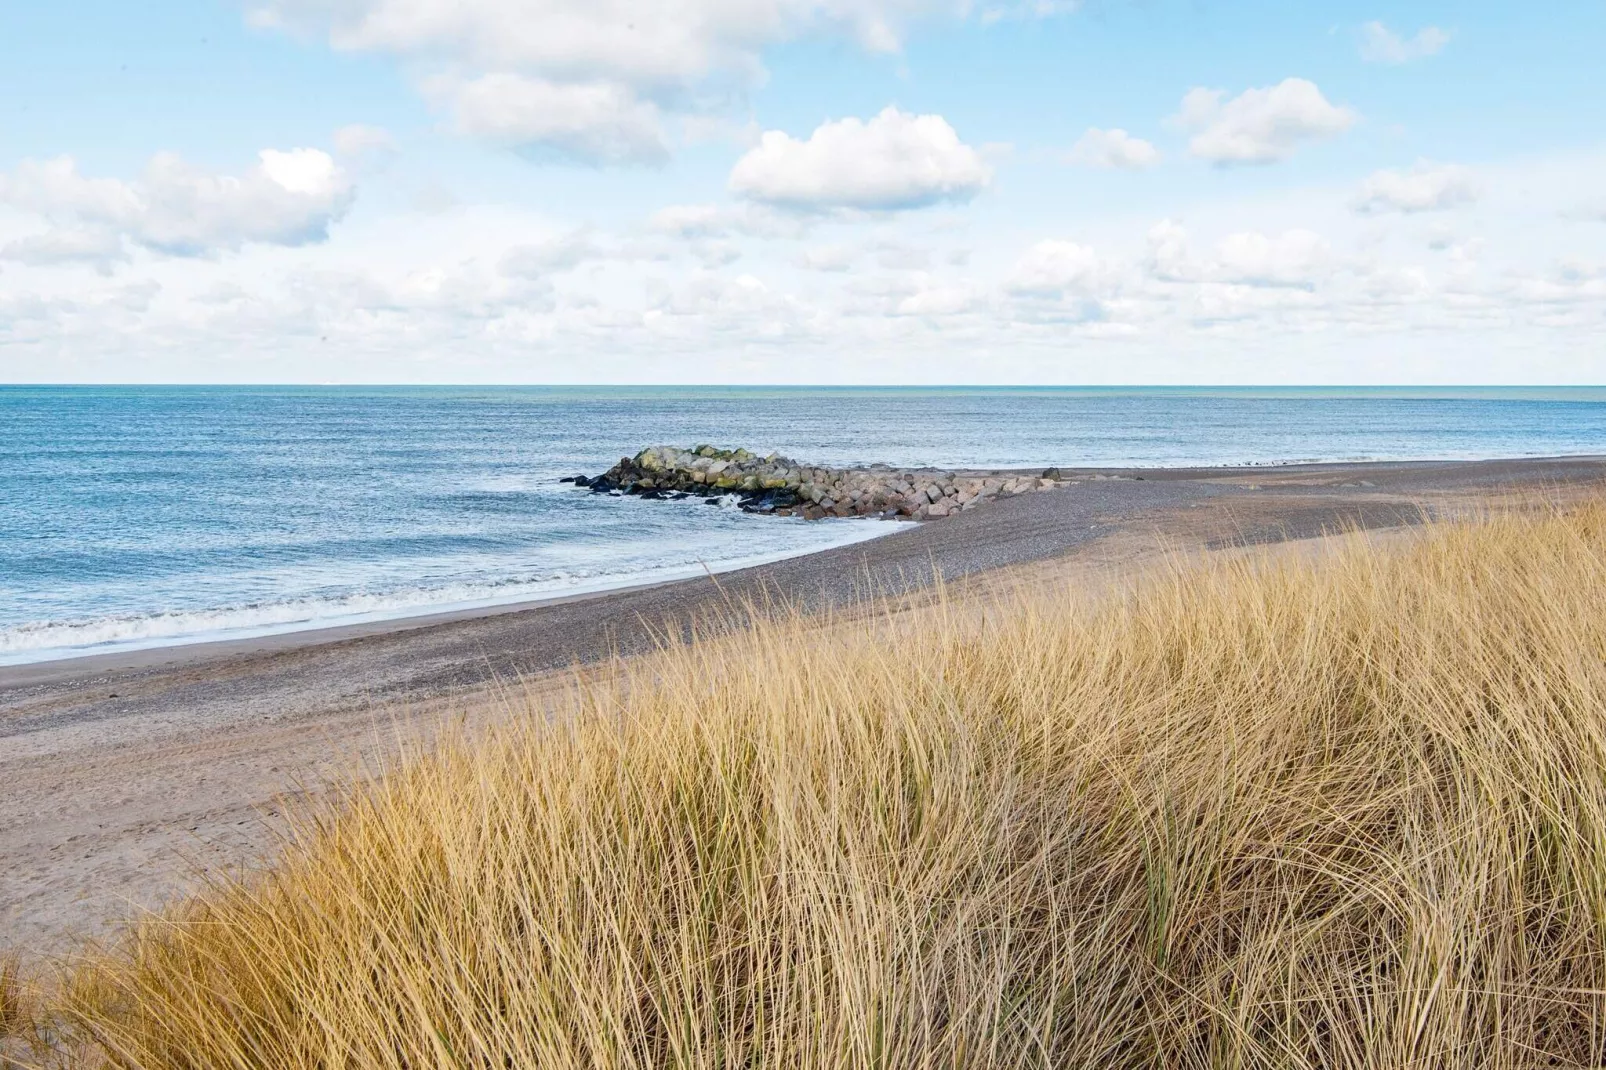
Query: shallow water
[133, 516]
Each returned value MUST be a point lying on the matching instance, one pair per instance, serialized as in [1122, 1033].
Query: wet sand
[128, 777]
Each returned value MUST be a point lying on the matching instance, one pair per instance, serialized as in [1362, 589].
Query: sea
[135, 517]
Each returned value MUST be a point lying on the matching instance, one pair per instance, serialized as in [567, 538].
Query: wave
[55, 640]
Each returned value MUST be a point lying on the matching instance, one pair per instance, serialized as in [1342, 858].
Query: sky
[803, 191]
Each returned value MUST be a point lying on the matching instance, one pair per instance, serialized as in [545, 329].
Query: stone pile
[783, 487]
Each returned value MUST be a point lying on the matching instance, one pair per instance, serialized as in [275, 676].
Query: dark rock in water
[776, 485]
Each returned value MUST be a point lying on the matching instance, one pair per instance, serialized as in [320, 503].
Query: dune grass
[10, 996]
[1337, 810]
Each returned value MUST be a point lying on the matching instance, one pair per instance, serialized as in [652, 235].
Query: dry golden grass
[10, 996]
[1272, 812]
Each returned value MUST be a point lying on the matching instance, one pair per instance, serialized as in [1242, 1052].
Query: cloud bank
[289, 198]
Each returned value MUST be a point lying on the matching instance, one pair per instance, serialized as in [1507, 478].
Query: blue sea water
[140, 516]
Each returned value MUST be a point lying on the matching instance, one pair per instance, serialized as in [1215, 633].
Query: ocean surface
[146, 516]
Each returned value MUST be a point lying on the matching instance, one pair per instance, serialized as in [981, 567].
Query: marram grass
[1341, 810]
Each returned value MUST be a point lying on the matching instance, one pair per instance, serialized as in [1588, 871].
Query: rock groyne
[784, 487]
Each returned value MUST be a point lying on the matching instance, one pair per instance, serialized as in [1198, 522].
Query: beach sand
[129, 777]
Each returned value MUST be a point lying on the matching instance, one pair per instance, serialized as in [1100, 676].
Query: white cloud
[595, 122]
[1260, 125]
[702, 221]
[1424, 188]
[1115, 149]
[1295, 258]
[1575, 270]
[502, 292]
[939, 300]
[289, 198]
[893, 161]
[434, 199]
[829, 258]
[305, 172]
[1292, 258]
[562, 253]
[1379, 44]
[1054, 268]
[1170, 257]
[692, 220]
[593, 80]
[896, 256]
[1593, 210]
[638, 42]
[98, 247]
[715, 254]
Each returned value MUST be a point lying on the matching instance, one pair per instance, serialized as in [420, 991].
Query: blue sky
[802, 191]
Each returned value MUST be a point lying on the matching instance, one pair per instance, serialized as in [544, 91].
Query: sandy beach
[130, 776]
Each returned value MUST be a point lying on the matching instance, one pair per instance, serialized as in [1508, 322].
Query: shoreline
[183, 649]
[137, 653]
[129, 778]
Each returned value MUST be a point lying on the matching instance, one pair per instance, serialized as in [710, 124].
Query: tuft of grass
[10, 996]
[1276, 811]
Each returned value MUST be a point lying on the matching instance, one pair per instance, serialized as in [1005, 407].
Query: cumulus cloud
[288, 198]
[592, 80]
[1293, 258]
[938, 300]
[1260, 125]
[1114, 149]
[1424, 188]
[1379, 44]
[893, 161]
[1055, 268]
[1171, 258]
